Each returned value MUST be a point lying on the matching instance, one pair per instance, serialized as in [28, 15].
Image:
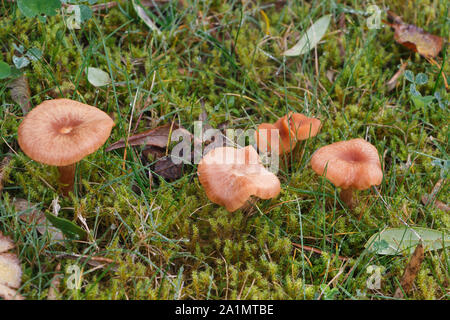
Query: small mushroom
[281, 135]
[231, 176]
[302, 126]
[61, 132]
[352, 164]
[288, 130]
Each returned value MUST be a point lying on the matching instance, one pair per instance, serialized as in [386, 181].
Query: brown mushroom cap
[10, 271]
[231, 176]
[282, 135]
[349, 164]
[302, 126]
[61, 132]
[288, 129]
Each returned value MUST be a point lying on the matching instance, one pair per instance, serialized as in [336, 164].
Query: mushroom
[10, 271]
[61, 132]
[352, 164]
[282, 135]
[289, 129]
[302, 126]
[231, 176]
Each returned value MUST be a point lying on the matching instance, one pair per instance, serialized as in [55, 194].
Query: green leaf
[409, 75]
[34, 54]
[406, 239]
[32, 8]
[311, 38]
[85, 13]
[143, 15]
[20, 62]
[422, 102]
[413, 90]
[5, 70]
[68, 228]
[98, 77]
[421, 78]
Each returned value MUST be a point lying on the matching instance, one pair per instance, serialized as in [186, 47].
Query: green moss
[169, 241]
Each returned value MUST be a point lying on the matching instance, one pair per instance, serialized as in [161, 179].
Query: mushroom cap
[230, 176]
[349, 164]
[302, 126]
[10, 271]
[275, 133]
[5, 243]
[291, 127]
[61, 132]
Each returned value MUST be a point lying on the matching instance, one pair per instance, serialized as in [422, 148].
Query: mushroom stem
[347, 196]
[66, 178]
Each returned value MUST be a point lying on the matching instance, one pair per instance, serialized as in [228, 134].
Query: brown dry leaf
[158, 137]
[94, 261]
[103, 6]
[53, 291]
[411, 271]
[170, 171]
[3, 164]
[438, 204]
[415, 38]
[20, 93]
[331, 75]
[31, 215]
[431, 198]
[10, 271]
[393, 81]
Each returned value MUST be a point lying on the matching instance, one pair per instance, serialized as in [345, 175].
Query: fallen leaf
[393, 81]
[102, 6]
[10, 271]
[32, 8]
[168, 170]
[427, 198]
[438, 204]
[415, 38]
[331, 75]
[98, 77]
[3, 164]
[150, 153]
[20, 93]
[5, 70]
[94, 261]
[53, 291]
[31, 215]
[68, 228]
[393, 241]
[158, 137]
[410, 273]
[20, 62]
[311, 38]
[143, 15]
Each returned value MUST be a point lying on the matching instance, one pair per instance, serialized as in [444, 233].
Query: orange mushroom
[302, 126]
[231, 176]
[352, 164]
[61, 132]
[287, 131]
